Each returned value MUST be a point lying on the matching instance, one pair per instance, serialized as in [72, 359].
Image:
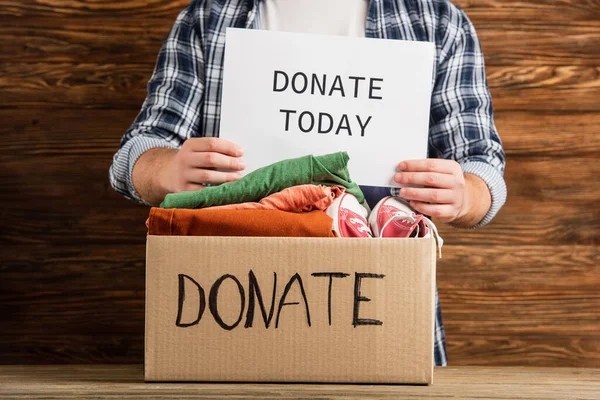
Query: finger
[216, 145]
[430, 179]
[214, 160]
[430, 165]
[203, 176]
[444, 212]
[435, 196]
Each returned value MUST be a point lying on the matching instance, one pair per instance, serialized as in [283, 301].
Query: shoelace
[440, 242]
[363, 226]
[410, 217]
[400, 216]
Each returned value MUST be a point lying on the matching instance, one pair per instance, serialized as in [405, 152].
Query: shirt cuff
[495, 182]
[121, 172]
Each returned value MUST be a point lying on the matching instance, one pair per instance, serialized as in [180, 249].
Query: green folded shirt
[330, 169]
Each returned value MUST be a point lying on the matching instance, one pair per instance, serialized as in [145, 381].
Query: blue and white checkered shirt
[184, 93]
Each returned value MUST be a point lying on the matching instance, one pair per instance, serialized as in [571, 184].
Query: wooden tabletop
[126, 381]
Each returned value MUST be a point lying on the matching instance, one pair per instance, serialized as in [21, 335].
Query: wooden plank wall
[522, 291]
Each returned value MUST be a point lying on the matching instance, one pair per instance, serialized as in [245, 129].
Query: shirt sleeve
[171, 111]
[462, 121]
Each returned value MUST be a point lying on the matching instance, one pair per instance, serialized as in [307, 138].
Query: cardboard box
[342, 310]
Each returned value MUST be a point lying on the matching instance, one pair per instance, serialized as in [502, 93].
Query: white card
[286, 95]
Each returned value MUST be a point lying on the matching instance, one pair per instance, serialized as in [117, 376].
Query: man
[173, 144]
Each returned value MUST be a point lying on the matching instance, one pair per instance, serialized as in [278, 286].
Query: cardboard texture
[387, 339]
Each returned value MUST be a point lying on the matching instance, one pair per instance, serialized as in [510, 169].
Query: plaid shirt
[184, 93]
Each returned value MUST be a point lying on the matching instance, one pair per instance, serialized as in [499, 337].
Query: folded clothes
[331, 169]
[209, 222]
[302, 198]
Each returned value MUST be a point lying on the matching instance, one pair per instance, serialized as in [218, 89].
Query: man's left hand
[443, 194]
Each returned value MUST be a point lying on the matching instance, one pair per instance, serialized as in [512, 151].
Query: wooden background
[523, 291]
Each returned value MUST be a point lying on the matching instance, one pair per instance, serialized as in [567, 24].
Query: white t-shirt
[328, 17]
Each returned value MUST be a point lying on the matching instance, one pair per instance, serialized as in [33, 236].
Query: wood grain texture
[512, 32]
[511, 42]
[91, 8]
[126, 381]
[546, 14]
[543, 13]
[102, 288]
[561, 312]
[116, 86]
[545, 350]
[524, 134]
[85, 304]
[544, 88]
[541, 184]
[73, 74]
[545, 205]
[530, 269]
[47, 348]
[108, 40]
[44, 85]
[463, 349]
[527, 134]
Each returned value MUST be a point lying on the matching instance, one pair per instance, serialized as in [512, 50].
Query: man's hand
[161, 171]
[192, 167]
[447, 194]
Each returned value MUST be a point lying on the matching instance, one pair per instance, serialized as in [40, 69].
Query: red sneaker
[393, 217]
[349, 217]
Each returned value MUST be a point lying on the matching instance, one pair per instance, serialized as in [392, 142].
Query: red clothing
[210, 222]
[301, 198]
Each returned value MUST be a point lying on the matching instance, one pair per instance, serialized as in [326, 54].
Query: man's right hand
[161, 171]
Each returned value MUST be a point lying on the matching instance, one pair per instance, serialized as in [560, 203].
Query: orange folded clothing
[209, 222]
[301, 198]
